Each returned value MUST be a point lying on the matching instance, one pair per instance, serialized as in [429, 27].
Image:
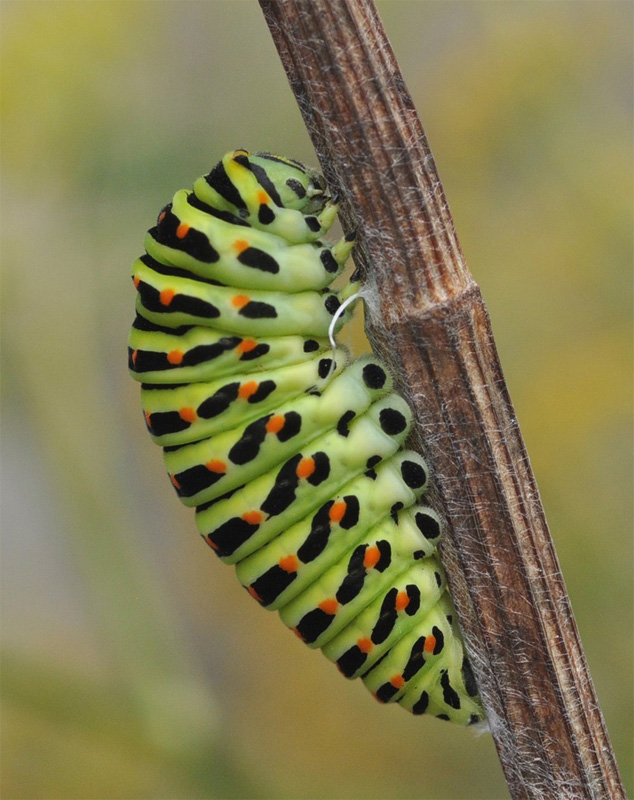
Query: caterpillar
[291, 453]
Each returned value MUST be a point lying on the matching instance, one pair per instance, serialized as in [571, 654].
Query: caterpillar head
[296, 185]
[273, 193]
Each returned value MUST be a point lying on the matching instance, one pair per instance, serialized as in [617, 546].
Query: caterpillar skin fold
[291, 454]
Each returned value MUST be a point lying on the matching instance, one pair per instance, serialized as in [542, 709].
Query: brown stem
[426, 318]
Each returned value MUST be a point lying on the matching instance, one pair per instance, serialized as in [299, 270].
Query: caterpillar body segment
[192, 354]
[171, 299]
[291, 453]
[242, 257]
[182, 413]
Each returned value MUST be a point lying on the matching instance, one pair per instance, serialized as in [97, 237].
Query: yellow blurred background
[134, 666]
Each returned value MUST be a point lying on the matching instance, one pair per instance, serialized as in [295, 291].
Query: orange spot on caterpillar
[240, 245]
[136, 281]
[210, 542]
[247, 389]
[397, 681]
[430, 644]
[329, 606]
[148, 421]
[263, 198]
[305, 468]
[174, 481]
[371, 557]
[240, 300]
[175, 356]
[216, 465]
[166, 296]
[161, 217]
[288, 563]
[337, 510]
[135, 353]
[246, 345]
[402, 601]
[365, 645]
[182, 230]
[275, 424]
[187, 414]
[253, 517]
[254, 594]
[298, 634]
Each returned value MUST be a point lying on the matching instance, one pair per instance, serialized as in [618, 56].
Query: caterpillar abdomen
[293, 457]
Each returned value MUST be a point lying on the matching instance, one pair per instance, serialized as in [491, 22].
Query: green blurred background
[134, 666]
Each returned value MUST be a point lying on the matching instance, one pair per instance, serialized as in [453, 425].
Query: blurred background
[134, 666]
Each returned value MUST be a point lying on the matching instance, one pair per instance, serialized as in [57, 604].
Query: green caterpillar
[291, 455]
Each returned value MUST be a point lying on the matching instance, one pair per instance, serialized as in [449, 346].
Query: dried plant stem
[425, 316]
